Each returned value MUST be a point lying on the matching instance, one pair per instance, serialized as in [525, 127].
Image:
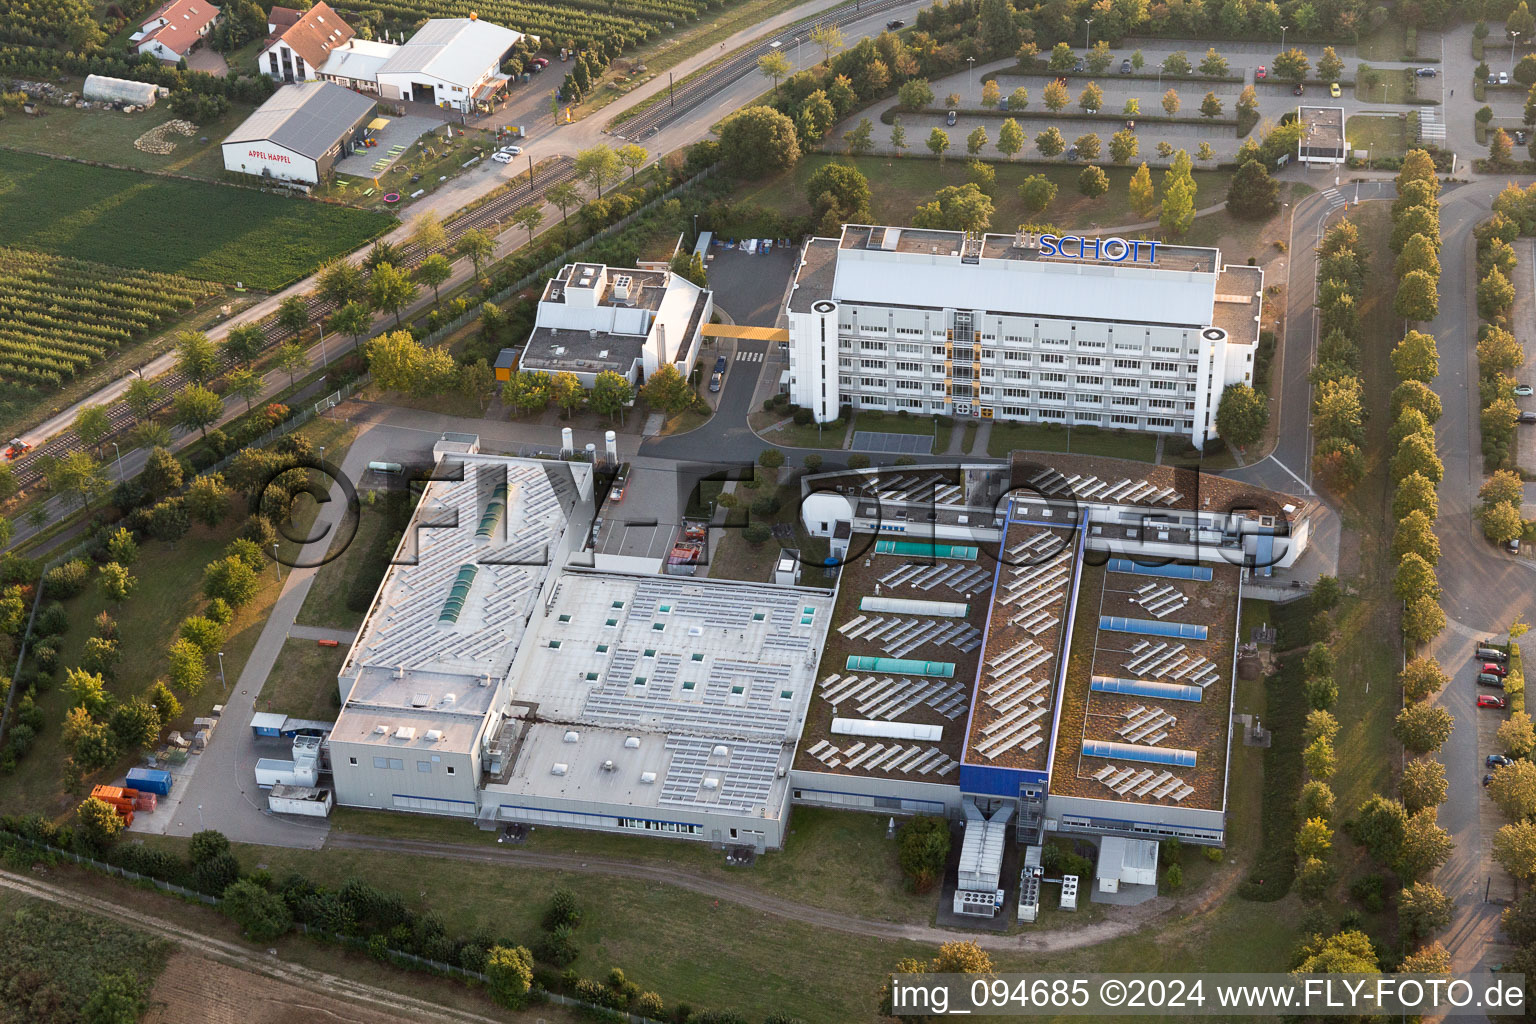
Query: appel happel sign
[277, 158]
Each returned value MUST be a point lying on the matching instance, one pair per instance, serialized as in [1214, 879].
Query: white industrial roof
[1129, 861]
[457, 50]
[360, 60]
[1048, 288]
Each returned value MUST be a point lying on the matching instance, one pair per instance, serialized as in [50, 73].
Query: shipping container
[127, 817]
[146, 802]
[150, 780]
[271, 772]
[305, 800]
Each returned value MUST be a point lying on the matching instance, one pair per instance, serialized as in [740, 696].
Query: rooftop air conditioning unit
[559, 769]
[647, 777]
[571, 736]
[632, 743]
[607, 766]
[721, 750]
[434, 735]
[710, 782]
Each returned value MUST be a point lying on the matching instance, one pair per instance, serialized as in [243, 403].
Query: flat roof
[561, 348]
[308, 119]
[1239, 304]
[1146, 709]
[1324, 129]
[656, 674]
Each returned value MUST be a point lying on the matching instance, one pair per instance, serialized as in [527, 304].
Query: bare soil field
[194, 990]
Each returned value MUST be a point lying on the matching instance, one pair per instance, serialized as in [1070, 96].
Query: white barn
[298, 134]
[450, 62]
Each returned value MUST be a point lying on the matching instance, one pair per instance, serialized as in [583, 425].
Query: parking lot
[901, 444]
[750, 287]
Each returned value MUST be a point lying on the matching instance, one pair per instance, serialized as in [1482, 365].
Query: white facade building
[175, 29]
[300, 42]
[298, 134]
[449, 62]
[1112, 333]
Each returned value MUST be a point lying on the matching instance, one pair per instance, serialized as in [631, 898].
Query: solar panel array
[1144, 783]
[741, 780]
[890, 697]
[1160, 599]
[895, 758]
[926, 487]
[900, 635]
[1168, 661]
[1126, 491]
[924, 576]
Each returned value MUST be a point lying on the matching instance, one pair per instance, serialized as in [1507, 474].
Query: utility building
[299, 133]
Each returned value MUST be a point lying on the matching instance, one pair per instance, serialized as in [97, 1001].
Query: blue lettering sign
[1114, 250]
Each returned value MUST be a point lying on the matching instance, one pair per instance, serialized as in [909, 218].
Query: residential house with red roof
[175, 29]
[300, 42]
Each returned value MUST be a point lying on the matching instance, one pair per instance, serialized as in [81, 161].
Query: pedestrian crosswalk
[1335, 199]
[749, 357]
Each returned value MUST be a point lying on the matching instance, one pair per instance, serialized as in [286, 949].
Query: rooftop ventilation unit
[434, 735]
[710, 782]
[559, 769]
[647, 777]
[621, 288]
[607, 766]
[571, 736]
[420, 700]
[632, 743]
[405, 732]
[721, 750]
[381, 730]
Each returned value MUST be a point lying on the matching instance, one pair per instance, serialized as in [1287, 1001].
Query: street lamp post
[200, 817]
[119, 461]
[276, 565]
[971, 74]
[222, 681]
[1085, 33]
[1282, 37]
[1160, 74]
[1514, 37]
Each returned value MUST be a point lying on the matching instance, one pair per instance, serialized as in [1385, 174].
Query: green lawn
[1378, 135]
[792, 435]
[107, 136]
[900, 185]
[1378, 85]
[1007, 437]
[1385, 43]
[887, 423]
[302, 684]
[203, 230]
[326, 603]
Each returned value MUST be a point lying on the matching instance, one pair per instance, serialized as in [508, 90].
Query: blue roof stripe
[1133, 752]
[1199, 573]
[1146, 688]
[1152, 627]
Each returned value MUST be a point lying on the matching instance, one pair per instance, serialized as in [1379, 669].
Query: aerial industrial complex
[1033, 327]
[1050, 647]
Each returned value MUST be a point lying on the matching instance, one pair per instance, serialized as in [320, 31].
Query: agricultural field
[629, 21]
[59, 315]
[200, 230]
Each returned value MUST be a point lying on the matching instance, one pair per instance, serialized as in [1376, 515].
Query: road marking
[1292, 472]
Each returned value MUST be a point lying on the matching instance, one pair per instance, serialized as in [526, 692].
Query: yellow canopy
[378, 124]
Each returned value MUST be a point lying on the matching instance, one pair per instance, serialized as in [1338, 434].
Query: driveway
[209, 60]
[750, 288]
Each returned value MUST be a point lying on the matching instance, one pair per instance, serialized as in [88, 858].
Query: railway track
[488, 214]
[740, 66]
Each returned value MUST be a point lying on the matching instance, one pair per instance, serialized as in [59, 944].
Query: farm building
[300, 42]
[298, 134]
[175, 29]
[356, 65]
[450, 62]
[594, 318]
[102, 89]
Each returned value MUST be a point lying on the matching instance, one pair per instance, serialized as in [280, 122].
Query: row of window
[396, 764]
[675, 827]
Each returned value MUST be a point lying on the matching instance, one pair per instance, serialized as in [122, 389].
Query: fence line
[399, 956]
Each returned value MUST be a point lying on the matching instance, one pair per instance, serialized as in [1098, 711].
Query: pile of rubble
[158, 141]
[45, 92]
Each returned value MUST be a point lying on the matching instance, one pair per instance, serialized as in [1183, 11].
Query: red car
[1261, 74]
[1488, 700]
[1493, 668]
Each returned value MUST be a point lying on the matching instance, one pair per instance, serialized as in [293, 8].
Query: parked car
[1524, 390]
[1497, 761]
[1520, 136]
[539, 62]
[950, 118]
[1493, 668]
[1493, 79]
[620, 484]
[1503, 77]
[1002, 104]
[1526, 417]
[1512, 546]
[1425, 72]
[502, 158]
[1300, 90]
[1334, 90]
[1487, 652]
[1072, 153]
[1484, 679]
[1080, 66]
[1125, 66]
[715, 380]
[1491, 700]
[1487, 779]
[514, 150]
[1261, 73]
[894, 24]
[720, 364]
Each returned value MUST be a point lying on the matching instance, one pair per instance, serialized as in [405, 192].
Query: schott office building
[1106, 332]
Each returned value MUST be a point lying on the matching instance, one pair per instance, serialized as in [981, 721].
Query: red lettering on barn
[277, 158]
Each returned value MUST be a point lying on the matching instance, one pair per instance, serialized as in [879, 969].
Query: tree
[1318, 758]
[293, 315]
[509, 975]
[1418, 296]
[1514, 847]
[1171, 102]
[775, 65]
[1425, 846]
[231, 580]
[898, 136]
[827, 38]
[1204, 151]
[956, 208]
[1093, 182]
[1494, 296]
[1418, 253]
[1423, 620]
[1010, 138]
[1516, 735]
[1055, 96]
[1087, 146]
[116, 583]
[668, 390]
[141, 398]
[1177, 63]
[389, 290]
[1050, 143]
[860, 139]
[915, 94]
[480, 247]
[99, 822]
[611, 392]
[1314, 838]
[991, 94]
[1210, 106]
[195, 408]
[1423, 784]
[162, 474]
[1037, 191]
[1062, 58]
[428, 233]
[1213, 64]
[244, 343]
[1329, 65]
[816, 116]
[922, 847]
[1178, 210]
[1292, 65]
[436, 269]
[135, 724]
[1018, 100]
[291, 357]
[1379, 826]
[261, 915]
[340, 282]
[1414, 394]
[195, 357]
[91, 425]
[86, 690]
[243, 383]
[1422, 910]
[1143, 195]
[79, 474]
[119, 998]
[1241, 415]
[1416, 454]
[1421, 678]
[1345, 952]
[1123, 146]
[1415, 492]
[976, 141]
[1315, 801]
[757, 141]
[1091, 98]
[938, 143]
[1423, 727]
[1253, 194]
[1520, 23]
[1514, 789]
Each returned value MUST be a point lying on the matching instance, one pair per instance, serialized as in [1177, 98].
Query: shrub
[770, 458]
[557, 947]
[756, 533]
[803, 417]
[68, 580]
[260, 914]
[924, 847]
[563, 910]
